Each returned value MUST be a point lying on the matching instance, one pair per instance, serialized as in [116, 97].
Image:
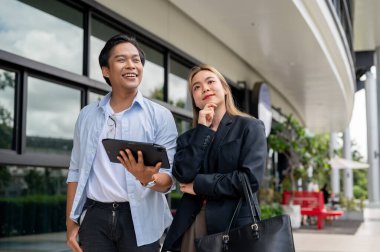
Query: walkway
[365, 239]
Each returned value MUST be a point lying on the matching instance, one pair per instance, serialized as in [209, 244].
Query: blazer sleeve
[252, 160]
[191, 150]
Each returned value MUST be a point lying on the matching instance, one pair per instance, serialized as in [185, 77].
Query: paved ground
[365, 239]
[340, 236]
[342, 227]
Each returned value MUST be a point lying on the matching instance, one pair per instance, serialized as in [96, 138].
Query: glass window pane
[182, 125]
[152, 85]
[7, 111]
[32, 202]
[99, 35]
[177, 91]
[94, 97]
[52, 110]
[39, 30]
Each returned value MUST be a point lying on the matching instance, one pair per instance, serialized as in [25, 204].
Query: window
[7, 110]
[99, 35]
[52, 110]
[39, 107]
[46, 31]
[32, 201]
[182, 125]
[152, 84]
[94, 97]
[178, 91]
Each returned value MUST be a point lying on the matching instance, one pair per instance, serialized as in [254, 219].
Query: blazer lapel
[223, 129]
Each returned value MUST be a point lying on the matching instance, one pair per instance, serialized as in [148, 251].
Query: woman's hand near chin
[206, 115]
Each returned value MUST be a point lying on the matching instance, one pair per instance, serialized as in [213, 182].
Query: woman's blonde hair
[231, 108]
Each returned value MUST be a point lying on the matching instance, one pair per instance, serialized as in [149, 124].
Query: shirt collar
[137, 101]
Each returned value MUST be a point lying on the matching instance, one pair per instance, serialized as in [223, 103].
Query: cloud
[40, 36]
[51, 110]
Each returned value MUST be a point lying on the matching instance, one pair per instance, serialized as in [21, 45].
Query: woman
[223, 142]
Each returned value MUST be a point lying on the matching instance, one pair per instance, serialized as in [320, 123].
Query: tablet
[152, 153]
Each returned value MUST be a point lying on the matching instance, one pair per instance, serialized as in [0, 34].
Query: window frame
[24, 67]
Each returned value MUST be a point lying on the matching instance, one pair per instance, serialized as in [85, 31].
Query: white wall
[167, 22]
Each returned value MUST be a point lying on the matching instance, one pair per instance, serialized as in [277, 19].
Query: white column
[334, 179]
[372, 140]
[348, 180]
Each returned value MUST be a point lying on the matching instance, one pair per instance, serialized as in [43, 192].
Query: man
[119, 206]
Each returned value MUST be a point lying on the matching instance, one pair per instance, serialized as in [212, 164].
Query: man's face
[125, 69]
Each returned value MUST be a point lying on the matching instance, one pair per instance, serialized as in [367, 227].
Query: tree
[302, 150]
[6, 120]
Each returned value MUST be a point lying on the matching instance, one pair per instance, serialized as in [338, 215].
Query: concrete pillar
[334, 179]
[372, 140]
[348, 180]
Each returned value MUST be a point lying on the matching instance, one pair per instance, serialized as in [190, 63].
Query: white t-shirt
[107, 182]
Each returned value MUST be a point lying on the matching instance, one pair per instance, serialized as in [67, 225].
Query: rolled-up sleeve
[73, 174]
[167, 136]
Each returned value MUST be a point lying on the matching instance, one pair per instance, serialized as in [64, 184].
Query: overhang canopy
[294, 45]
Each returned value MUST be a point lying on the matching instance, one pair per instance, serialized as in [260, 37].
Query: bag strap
[248, 195]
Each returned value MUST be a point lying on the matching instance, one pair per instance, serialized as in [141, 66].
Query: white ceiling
[291, 44]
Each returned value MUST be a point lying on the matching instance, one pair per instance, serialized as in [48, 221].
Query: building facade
[302, 50]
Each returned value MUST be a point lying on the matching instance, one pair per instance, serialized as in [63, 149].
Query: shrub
[270, 210]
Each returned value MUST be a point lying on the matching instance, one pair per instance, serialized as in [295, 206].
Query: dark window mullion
[22, 101]
[166, 75]
[86, 42]
[85, 97]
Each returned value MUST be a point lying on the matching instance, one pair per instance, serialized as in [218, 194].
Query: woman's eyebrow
[206, 79]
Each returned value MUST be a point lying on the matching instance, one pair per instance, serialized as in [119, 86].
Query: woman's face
[206, 88]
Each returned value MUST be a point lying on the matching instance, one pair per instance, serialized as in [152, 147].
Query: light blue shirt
[144, 121]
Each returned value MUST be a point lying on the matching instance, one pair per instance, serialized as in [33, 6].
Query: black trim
[166, 75]
[51, 72]
[23, 107]
[8, 157]
[86, 43]
[25, 67]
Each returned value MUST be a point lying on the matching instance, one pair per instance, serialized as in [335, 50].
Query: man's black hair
[111, 43]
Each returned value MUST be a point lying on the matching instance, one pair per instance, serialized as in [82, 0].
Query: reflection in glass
[99, 35]
[94, 97]
[152, 85]
[7, 101]
[32, 202]
[177, 89]
[42, 33]
[51, 114]
[182, 125]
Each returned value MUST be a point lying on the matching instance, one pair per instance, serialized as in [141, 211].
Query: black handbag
[269, 235]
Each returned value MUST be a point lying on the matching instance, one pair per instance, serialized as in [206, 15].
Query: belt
[108, 205]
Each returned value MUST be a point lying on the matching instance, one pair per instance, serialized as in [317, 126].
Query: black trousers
[108, 227]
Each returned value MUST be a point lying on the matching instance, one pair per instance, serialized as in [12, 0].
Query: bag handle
[248, 195]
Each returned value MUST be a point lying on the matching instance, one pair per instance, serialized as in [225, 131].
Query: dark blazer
[211, 160]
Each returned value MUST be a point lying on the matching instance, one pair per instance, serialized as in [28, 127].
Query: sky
[358, 125]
